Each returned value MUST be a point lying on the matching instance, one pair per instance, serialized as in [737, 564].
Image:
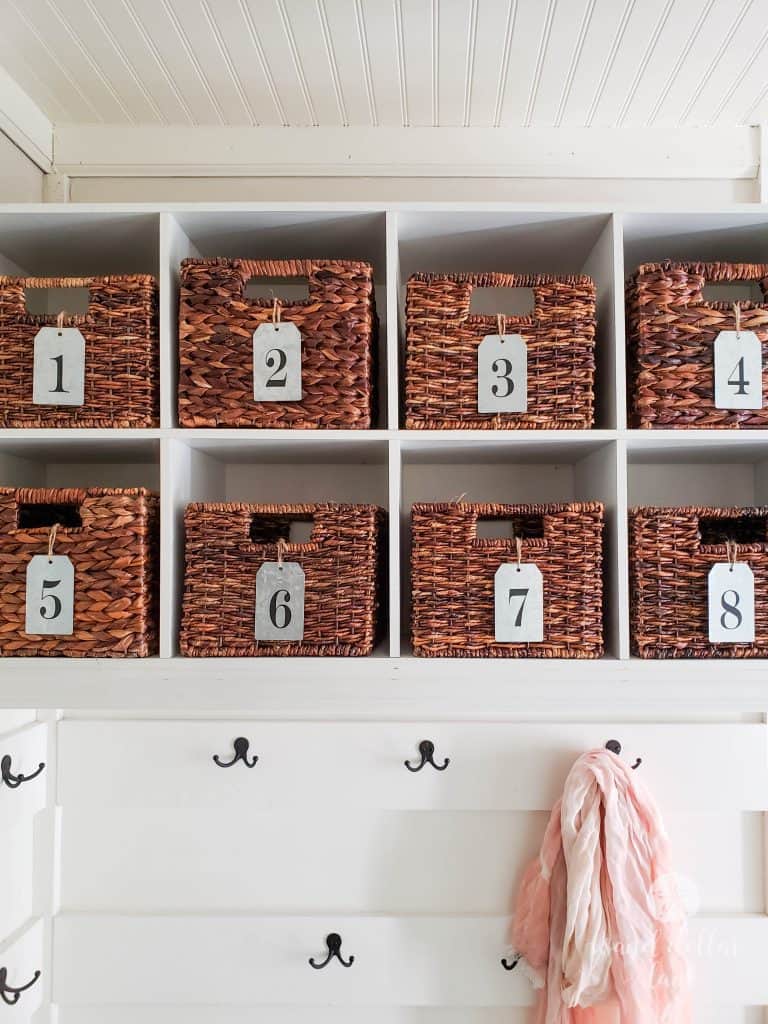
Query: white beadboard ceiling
[398, 63]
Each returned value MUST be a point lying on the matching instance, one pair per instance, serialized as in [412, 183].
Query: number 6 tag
[519, 603]
[502, 374]
[731, 603]
[277, 363]
[50, 596]
[280, 601]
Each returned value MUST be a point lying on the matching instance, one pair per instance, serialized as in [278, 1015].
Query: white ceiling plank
[736, 78]
[492, 39]
[341, 16]
[306, 25]
[416, 18]
[378, 20]
[456, 41]
[24, 123]
[95, 150]
[557, 46]
[530, 23]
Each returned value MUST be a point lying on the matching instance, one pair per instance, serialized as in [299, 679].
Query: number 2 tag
[502, 374]
[50, 596]
[731, 603]
[58, 372]
[519, 603]
[738, 370]
[280, 601]
[277, 363]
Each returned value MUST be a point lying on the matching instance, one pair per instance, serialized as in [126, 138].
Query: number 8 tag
[50, 596]
[731, 604]
[280, 601]
[502, 374]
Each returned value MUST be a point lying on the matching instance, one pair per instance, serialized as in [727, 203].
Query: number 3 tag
[277, 363]
[502, 374]
[731, 604]
[50, 596]
[58, 372]
[519, 603]
[738, 370]
[280, 601]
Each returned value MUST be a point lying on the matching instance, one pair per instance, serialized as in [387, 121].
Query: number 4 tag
[738, 370]
[731, 604]
[519, 604]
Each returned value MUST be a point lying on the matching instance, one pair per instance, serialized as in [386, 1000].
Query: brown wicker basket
[338, 328]
[228, 543]
[111, 537]
[443, 337]
[121, 364]
[671, 332]
[453, 578]
[671, 552]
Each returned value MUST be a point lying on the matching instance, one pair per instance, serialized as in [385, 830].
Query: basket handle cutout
[733, 291]
[506, 528]
[287, 290]
[293, 530]
[743, 530]
[34, 517]
[45, 300]
[504, 301]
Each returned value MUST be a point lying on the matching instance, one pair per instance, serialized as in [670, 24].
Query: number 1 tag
[277, 363]
[50, 596]
[731, 604]
[738, 370]
[519, 603]
[58, 372]
[280, 601]
[502, 374]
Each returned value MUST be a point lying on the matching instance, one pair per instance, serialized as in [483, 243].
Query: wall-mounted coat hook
[615, 748]
[14, 781]
[510, 965]
[241, 745]
[427, 751]
[333, 942]
[8, 993]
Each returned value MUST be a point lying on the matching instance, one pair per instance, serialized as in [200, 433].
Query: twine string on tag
[731, 551]
[519, 549]
[280, 552]
[60, 321]
[52, 540]
[275, 312]
[737, 314]
[459, 498]
[501, 325]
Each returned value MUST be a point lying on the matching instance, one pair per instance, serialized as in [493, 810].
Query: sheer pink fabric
[598, 918]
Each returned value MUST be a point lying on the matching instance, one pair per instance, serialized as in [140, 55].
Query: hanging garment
[598, 919]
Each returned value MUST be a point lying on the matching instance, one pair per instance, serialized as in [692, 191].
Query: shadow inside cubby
[511, 470]
[284, 235]
[521, 242]
[109, 461]
[291, 470]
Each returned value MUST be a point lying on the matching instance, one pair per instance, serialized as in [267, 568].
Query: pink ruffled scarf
[598, 918]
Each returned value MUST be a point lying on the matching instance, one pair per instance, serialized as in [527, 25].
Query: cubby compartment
[269, 235]
[513, 470]
[54, 460]
[446, 241]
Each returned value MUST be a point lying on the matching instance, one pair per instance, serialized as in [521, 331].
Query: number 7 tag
[519, 604]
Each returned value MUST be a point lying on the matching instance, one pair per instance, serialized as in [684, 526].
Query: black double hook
[14, 781]
[510, 965]
[8, 993]
[333, 942]
[615, 748]
[241, 745]
[427, 751]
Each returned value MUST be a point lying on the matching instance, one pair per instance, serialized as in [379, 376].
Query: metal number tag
[50, 596]
[519, 603]
[280, 601]
[277, 363]
[738, 370]
[58, 372]
[731, 604]
[502, 374]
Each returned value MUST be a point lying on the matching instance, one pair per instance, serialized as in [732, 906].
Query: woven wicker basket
[671, 553]
[121, 345]
[453, 578]
[671, 332]
[114, 552]
[443, 337]
[227, 544]
[338, 328]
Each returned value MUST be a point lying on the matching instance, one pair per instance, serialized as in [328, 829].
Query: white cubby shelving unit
[388, 465]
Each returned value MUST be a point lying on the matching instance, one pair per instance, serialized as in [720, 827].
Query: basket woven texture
[121, 353]
[671, 553]
[338, 328]
[227, 544]
[115, 557]
[453, 578]
[671, 332]
[443, 338]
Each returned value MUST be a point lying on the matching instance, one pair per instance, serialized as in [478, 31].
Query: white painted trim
[763, 168]
[24, 123]
[190, 151]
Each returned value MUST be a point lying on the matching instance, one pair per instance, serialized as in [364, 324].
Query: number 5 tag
[519, 604]
[731, 604]
[280, 601]
[50, 596]
[738, 370]
[277, 363]
[502, 374]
